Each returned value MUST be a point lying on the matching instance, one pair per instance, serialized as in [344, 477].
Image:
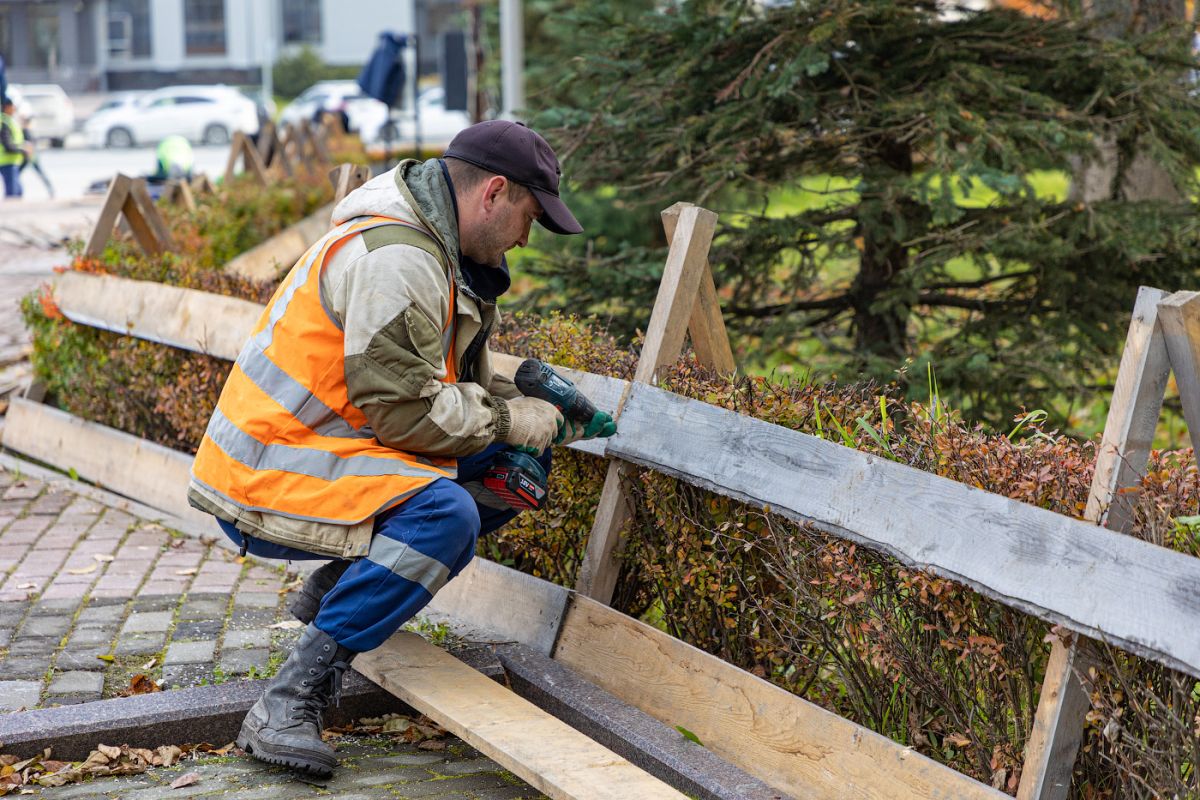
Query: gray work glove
[535, 423]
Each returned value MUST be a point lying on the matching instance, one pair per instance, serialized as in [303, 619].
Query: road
[72, 170]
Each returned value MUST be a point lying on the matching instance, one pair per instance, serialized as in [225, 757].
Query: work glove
[600, 425]
[535, 423]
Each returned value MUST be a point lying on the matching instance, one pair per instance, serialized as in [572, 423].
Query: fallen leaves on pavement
[185, 780]
[140, 684]
[423, 732]
[41, 770]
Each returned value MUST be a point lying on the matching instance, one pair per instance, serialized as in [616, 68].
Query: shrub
[294, 73]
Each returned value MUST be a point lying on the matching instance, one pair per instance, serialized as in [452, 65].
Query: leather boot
[284, 726]
[305, 604]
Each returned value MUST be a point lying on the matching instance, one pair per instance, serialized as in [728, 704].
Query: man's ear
[492, 190]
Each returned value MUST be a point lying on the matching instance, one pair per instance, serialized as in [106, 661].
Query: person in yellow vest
[14, 150]
[362, 413]
[173, 158]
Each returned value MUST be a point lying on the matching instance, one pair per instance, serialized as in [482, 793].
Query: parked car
[51, 115]
[22, 108]
[339, 97]
[438, 126]
[205, 114]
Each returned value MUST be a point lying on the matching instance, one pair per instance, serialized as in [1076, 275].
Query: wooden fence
[1089, 579]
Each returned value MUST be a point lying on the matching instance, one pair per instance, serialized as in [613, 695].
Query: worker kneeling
[363, 418]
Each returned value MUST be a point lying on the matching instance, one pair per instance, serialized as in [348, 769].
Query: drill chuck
[535, 379]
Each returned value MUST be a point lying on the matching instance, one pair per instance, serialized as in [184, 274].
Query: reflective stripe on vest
[18, 139]
[285, 437]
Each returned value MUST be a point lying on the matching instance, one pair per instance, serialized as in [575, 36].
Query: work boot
[284, 726]
[305, 604]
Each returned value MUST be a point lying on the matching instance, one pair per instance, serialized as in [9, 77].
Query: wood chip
[102, 558]
[287, 625]
[83, 570]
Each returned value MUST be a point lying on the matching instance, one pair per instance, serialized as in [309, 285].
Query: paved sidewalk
[370, 768]
[91, 595]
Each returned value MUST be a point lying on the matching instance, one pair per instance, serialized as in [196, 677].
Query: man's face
[506, 227]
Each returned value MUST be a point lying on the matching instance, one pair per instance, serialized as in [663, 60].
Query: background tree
[892, 180]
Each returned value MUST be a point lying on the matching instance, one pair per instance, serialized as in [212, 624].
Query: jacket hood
[415, 191]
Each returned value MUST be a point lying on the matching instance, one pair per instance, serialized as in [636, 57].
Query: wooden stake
[1120, 463]
[179, 191]
[243, 148]
[691, 229]
[202, 184]
[1180, 318]
[346, 178]
[706, 326]
[129, 198]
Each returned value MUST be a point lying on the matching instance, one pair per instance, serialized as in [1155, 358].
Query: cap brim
[556, 217]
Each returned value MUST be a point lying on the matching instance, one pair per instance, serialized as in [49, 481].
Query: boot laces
[316, 695]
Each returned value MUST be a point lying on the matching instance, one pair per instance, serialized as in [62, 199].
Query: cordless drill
[516, 477]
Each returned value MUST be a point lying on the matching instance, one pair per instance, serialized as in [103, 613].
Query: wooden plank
[1094, 581]
[1121, 463]
[185, 318]
[242, 148]
[545, 752]
[346, 178]
[691, 236]
[266, 260]
[706, 326]
[788, 742]
[112, 459]
[180, 192]
[507, 605]
[686, 261]
[114, 201]
[1179, 315]
[149, 212]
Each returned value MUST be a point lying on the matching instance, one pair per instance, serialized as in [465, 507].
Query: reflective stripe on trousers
[417, 547]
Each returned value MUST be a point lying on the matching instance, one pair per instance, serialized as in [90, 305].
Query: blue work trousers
[417, 547]
[11, 175]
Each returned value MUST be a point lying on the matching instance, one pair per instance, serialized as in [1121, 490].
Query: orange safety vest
[285, 438]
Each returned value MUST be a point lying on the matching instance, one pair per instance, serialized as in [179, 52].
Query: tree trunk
[1138, 178]
[879, 332]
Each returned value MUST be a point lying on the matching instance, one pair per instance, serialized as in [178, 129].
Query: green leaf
[691, 737]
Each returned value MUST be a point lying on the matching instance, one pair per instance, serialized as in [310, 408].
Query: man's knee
[461, 517]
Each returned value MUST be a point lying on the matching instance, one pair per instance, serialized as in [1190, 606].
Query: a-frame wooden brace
[130, 198]
[243, 149]
[1164, 337]
[686, 303]
[346, 178]
[178, 190]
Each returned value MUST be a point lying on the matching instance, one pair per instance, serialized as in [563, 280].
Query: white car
[338, 97]
[51, 115]
[438, 126]
[205, 114]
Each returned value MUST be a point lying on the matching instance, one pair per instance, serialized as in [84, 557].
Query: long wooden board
[112, 459]
[790, 743]
[548, 754]
[185, 318]
[270, 259]
[1103, 584]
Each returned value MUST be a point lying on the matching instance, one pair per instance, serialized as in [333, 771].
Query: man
[363, 411]
[172, 159]
[14, 150]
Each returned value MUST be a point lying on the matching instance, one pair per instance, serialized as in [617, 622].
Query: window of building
[129, 29]
[204, 27]
[301, 21]
[43, 45]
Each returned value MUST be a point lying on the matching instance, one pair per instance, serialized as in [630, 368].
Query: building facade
[108, 45]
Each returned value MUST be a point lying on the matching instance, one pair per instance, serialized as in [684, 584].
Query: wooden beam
[242, 148]
[346, 178]
[543, 751]
[692, 232]
[706, 326]
[179, 191]
[1097, 582]
[184, 318]
[144, 207]
[1179, 315]
[114, 203]
[792, 744]
[112, 459]
[1121, 463]
[202, 184]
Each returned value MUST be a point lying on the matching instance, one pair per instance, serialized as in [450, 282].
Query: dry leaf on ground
[186, 779]
[189, 571]
[83, 570]
[102, 557]
[140, 684]
[287, 625]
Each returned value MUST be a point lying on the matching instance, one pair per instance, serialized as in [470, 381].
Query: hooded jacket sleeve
[391, 303]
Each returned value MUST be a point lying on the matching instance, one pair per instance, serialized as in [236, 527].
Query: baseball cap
[519, 154]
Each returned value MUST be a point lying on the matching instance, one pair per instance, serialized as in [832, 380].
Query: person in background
[173, 159]
[14, 150]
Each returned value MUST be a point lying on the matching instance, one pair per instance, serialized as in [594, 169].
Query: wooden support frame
[345, 178]
[130, 199]
[316, 138]
[242, 149]
[202, 184]
[178, 191]
[686, 301]
[1164, 335]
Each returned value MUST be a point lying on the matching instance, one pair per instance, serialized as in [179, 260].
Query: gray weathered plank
[1096, 582]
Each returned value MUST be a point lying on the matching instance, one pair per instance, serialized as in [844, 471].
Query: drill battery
[517, 479]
